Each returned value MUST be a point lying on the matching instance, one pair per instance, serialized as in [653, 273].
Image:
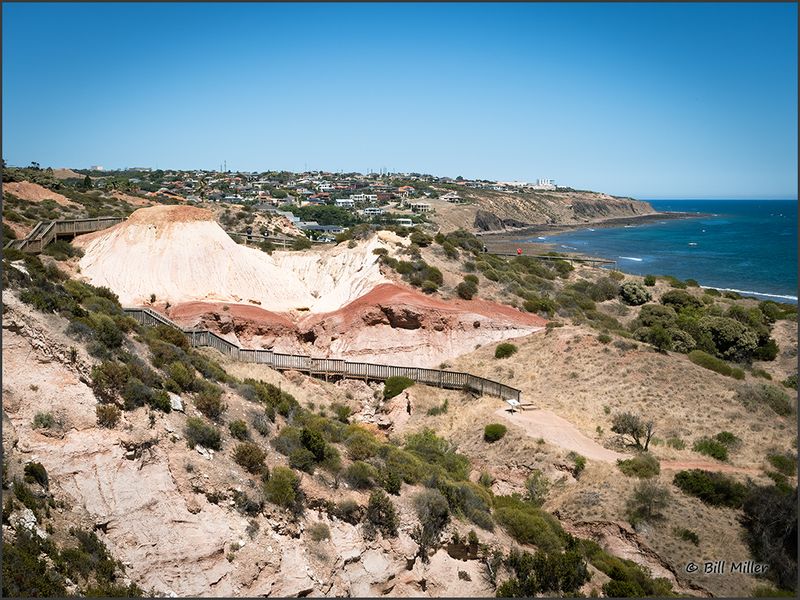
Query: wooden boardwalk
[46, 232]
[331, 367]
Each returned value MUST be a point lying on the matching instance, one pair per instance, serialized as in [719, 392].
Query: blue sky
[647, 100]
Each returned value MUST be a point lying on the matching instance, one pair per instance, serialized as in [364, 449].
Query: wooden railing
[46, 232]
[330, 366]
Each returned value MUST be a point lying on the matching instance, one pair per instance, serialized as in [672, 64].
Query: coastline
[543, 228]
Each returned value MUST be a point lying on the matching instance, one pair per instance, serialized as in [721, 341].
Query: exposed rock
[175, 402]
[25, 519]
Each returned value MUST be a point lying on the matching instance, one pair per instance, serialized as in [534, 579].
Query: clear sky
[648, 100]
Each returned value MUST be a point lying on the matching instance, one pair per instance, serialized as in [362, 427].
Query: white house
[419, 207]
[451, 197]
[405, 222]
[345, 203]
[373, 210]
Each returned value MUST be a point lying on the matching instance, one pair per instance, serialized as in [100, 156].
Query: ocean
[749, 246]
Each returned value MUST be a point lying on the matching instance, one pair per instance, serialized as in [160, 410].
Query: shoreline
[542, 228]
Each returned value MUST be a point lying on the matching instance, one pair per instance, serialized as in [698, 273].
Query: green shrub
[537, 487]
[687, 535]
[437, 451]
[390, 480]
[433, 512]
[261, 423]
[381, 514]
[394, 385]
[360, 443]
[676, 442]
[319, 531]
[544, 574]
[711, 448]
[707, 361]
[770, 522]
[360, 475]
[283, 488]
[648, 501]
[438, 410]
[250, 457]
[785, 463]
[728, 439]
[715, 489]
[35, 472]
[348, 511]
[649, 280]
[790, 382]
[505, 350]
[182, 374]
[466, 290]
[25, 572]
[198, 432]
[44, 420]
[528, 524]
[287, 440]
[643, 466]
[604, 338]
[494, 431]
[579, 461]
[763, 394]
[633, 293]
[238, 429]
[107, 415]
[302, 459]
[209, 400]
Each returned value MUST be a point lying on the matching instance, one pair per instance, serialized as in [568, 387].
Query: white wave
[631, 258]
[784, 297]
[568, 247]
[541, 238]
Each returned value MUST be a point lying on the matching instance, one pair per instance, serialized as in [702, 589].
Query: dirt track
[554, 429]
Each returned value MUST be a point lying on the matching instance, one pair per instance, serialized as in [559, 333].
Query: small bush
[433, 512]
[282, 488]
[250, 457]
[261, 423]
[107, 415]
[505, 350]
[728, 439]
[438, 410]
[712, 448]
[319, 531]
[785, 463]
[493, 432]
[790, 382]
[44, 420]
[634, 294]
[394, 385]
[644, 465]
[676, 442]
[381, 514]
[238, 429]
[528, 524]
[348, 511]
[466, 290]
[360, 475]
[198, 432]
[604, 338]
[182, 374]
[302, 459]
[763, 394]
[209, 400]
[687, 535]
[579, 461]
[713, 363]
[649, 280]
[537, 487]
[35, 472]
[648, 501]
[715, 489]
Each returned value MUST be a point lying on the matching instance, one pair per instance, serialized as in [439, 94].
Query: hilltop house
[345, 202]
[451, 197]
[419, 207]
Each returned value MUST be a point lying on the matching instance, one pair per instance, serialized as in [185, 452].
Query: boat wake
[631, 258]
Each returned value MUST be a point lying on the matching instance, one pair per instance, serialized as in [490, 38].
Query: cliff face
[497, 211]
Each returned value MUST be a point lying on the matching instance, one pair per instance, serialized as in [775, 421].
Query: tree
[87, 183]
[628, 424]
[381, 514]
[648, 500]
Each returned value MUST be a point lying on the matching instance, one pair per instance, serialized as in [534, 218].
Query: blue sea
[749, 246]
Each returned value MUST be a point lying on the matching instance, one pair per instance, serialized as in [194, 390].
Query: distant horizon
[671, 101]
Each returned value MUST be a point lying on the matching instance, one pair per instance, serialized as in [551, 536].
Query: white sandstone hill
[181, 254]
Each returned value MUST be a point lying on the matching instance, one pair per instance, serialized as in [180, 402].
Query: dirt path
[545, 424]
